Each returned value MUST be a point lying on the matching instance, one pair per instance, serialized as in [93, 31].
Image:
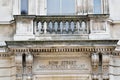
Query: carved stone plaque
[62, 64]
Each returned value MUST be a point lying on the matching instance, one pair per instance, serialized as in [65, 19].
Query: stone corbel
[29, 61]
[95, 64]
[19, 68]
[105, 66]
[95, 60]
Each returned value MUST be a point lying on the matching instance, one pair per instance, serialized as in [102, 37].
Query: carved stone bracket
[29, 62]
[95, 64]
[95, 60]
[19, 68]
[105, 66]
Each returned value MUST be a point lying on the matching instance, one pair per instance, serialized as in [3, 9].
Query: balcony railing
[61, 25]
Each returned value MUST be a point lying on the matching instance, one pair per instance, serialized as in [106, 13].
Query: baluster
[72, 27]
[83, 25]
[78, 27]
[50, 27]
[35, 28]
[56, 27]
[66, 27]
[40, 28]
[61, 27]
[45, 27]
[87, 27]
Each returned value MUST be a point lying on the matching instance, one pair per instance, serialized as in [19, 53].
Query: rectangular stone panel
[5, 78]
[61, 65]
[5, 72]
[5, 62]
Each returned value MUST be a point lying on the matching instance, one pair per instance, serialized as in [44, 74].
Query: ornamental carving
[95, 60]
[18, 59]
[105, 66]
[29, 58]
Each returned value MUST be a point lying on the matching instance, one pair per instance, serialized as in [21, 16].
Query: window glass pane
[97, 6]
[60, 7]
[24, 6]
[53, 7]
[68, 7]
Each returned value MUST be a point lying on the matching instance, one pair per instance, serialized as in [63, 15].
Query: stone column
[95, 65]
[29, 62]
[19, 67]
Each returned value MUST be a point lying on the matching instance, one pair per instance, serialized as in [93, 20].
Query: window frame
[27, 7]
[60, 11]
[101, 7]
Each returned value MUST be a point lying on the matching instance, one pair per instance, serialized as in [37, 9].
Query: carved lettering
[62, 65]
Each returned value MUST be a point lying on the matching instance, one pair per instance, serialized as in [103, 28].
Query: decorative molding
[95, 60]
[64, 49]
[5, 54]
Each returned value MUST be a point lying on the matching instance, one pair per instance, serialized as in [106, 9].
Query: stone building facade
[59, 40]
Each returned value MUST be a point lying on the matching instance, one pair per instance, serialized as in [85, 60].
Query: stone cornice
[5, 54]
[42, 43]
[67, 50]
[61, 46]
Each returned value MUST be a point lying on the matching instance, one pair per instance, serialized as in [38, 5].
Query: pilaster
[95, 66]
[29, 62]
[19, 67]
[24, 28]
[105, 66]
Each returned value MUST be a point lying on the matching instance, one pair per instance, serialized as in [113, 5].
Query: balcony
[61, 27]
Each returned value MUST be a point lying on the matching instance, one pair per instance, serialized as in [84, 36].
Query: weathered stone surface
[81, 47]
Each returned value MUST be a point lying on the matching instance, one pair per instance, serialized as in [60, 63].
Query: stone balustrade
[61, 25]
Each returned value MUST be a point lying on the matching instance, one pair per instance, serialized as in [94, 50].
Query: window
[60, 7]
[24, 6]
[97, 6]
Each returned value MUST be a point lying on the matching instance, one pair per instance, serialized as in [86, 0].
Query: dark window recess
[100, 63]
[24, 7]
[24, 60]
